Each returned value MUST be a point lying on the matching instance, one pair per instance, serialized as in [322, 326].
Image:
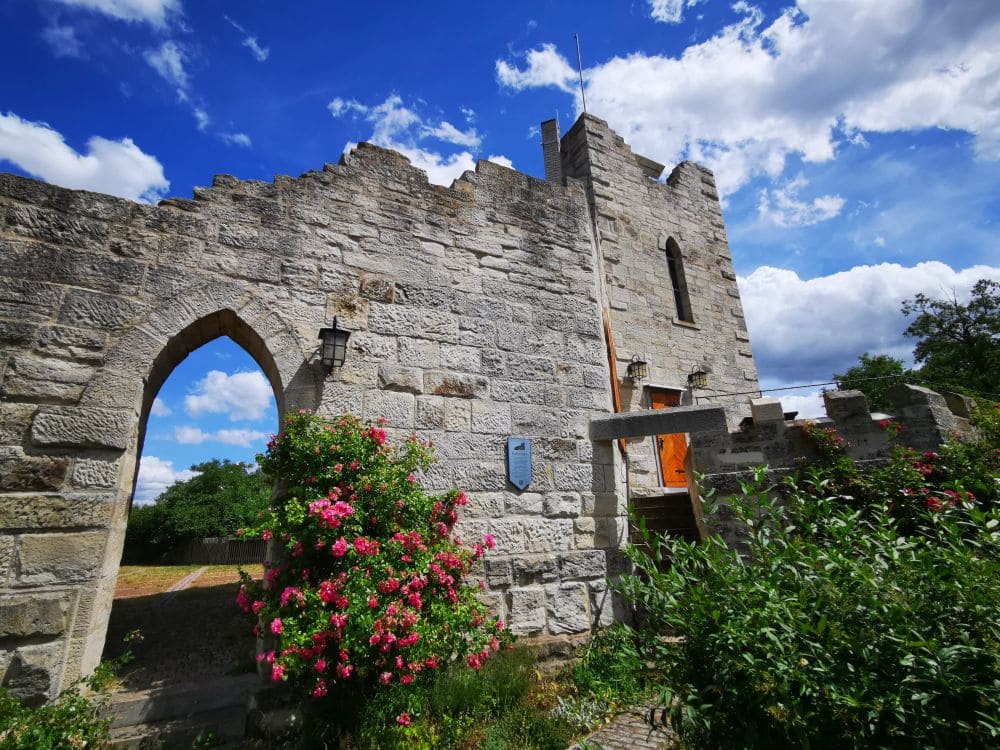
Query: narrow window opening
[682, 301]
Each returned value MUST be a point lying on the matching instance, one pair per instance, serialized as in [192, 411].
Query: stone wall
[635, 217]
[475, 312]
[926, 420]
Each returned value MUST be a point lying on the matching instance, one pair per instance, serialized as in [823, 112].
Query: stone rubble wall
[635, 215]
[927, 419]
[476, 316]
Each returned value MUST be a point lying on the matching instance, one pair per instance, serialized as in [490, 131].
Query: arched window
[682, 301]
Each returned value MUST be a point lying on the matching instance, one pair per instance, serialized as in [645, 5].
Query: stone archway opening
[210, 401]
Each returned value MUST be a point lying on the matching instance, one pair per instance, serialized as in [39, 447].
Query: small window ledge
[686, 324]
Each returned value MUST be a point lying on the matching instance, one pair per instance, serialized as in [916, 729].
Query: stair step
[226, 725]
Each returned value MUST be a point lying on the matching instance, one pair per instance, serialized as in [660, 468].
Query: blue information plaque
[519, 462]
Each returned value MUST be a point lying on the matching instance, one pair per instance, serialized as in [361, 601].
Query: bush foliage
[860, 612]
[370, 589]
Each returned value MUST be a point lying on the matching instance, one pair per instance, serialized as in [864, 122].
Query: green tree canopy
[222, 498]
[874, 376]
[959, 345]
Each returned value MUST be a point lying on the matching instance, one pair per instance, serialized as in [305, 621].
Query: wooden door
[672, 448]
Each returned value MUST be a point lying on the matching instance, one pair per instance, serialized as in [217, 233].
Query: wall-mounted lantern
[698, 377]
[333, 346]
[637, 370]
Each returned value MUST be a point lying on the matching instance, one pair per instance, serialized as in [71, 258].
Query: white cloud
[814, 78]
[237, 139]
[246, 438]
[168, 61]
[156, 475]
[62, 40]
[782, 207]
[117, 167]
[805, 330]
[202, 118]
[447, 132]
[242, 395]
[669, 11]
[190, 435]
[545, 67]
[401, 128]
[250, 41]
[160, 408]
[155, 12]
[809, 405]
[500, 159]
[259, 53]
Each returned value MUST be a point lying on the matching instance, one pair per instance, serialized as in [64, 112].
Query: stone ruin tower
[501, 306]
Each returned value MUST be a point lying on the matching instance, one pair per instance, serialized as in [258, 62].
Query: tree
[959, 345]
[861, 377]
[222, 498]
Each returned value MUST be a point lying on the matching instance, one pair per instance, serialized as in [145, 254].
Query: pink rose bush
[370, 587]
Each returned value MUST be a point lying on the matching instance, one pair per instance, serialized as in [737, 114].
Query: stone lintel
[659, 422]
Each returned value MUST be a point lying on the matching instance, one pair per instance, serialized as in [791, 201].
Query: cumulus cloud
[403, 129]
[782, 206]
[669, 11]
[241, 396]
[117, 167]
[156, 475]
[236, 139]
[501, 160]
[155, 12]
[160, 408]
[62, 40]
[250, 42]
[805, 330]
[818, 75]
[190, 435]
[809, 405]
[168, 61]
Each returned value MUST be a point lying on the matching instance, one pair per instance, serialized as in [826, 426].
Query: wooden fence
[223, 551]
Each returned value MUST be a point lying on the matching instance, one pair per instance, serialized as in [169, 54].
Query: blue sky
[856, 143]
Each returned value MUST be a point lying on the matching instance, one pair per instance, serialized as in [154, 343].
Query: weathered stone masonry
[477, 314]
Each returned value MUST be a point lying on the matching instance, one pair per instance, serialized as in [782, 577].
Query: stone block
[562, 505]
[659, 422]
[524, 503]
[457, 416]
[456, 385]
[33, 672]
[508, 534]
[92, 473]
[497, 571]
[397, 408]
[529, 569]
[27, 300]
[568, 606]
[30, 378]
[491, 417]
[36, 614]
[584, 565]
[766, 410]
[73, 510]
[93, 310]
[527, 610]
[396, 378]
[81, 426]
[548, 535]
[846, 406]
[430, 413]
[485, 505]
[60, 558]
[21, 473]
[14, 422]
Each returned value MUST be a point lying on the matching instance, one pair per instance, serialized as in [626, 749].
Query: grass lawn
[149, 580]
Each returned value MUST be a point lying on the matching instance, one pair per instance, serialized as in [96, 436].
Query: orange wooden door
[672, 448]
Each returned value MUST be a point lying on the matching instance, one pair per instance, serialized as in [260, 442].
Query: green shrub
[833, 628]
[72, 721]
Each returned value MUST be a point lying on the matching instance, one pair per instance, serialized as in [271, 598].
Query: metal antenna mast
[579, 67]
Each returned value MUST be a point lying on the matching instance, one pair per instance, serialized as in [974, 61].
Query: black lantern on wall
[333, 346]
[638, 369]
[698, 377]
